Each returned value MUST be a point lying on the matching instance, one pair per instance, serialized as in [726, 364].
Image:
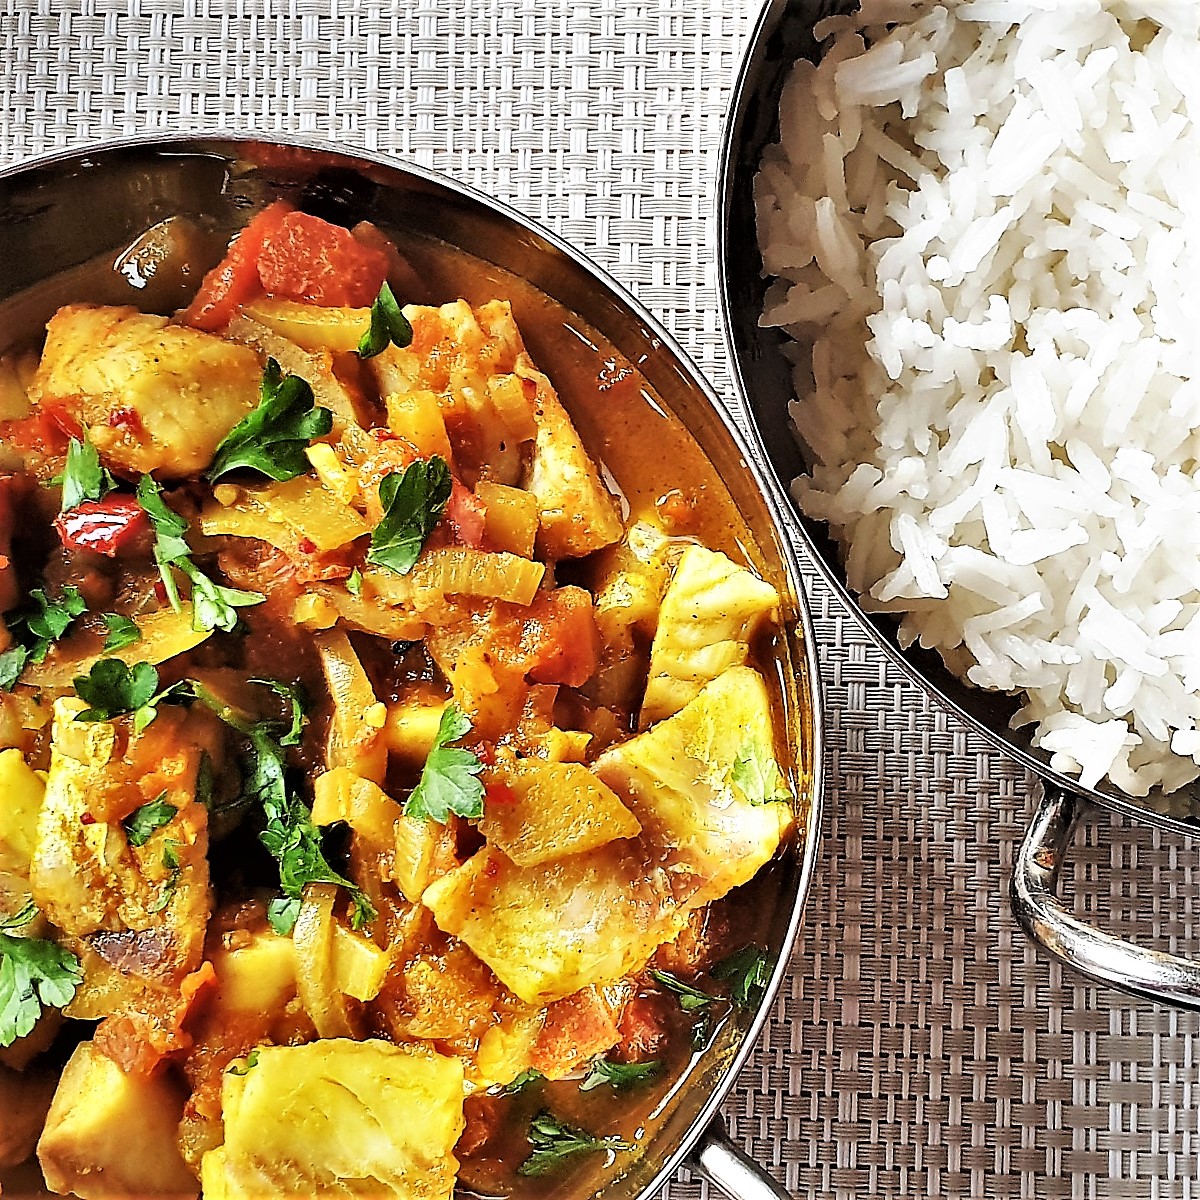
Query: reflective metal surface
[764, 378]
[64, 211]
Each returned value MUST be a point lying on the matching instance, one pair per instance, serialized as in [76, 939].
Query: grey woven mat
[921, 1047]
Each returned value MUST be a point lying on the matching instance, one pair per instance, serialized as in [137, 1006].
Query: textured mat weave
[921, 1047]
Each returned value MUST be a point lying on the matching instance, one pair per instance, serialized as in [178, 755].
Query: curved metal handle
[1150, 973]
[730, 1169]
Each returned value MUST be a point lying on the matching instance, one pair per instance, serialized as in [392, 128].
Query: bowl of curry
[409, 722]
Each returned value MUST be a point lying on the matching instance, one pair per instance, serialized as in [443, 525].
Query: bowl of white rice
[961, 271]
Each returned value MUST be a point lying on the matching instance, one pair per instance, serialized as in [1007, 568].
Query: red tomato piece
[234, 280]
[103, 526]
[465, 514]
[561, 638]
[310, 259]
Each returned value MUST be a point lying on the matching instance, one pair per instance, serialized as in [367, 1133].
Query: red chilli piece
[307, 546]
[102, 526]
[310, 259]
[87, 819]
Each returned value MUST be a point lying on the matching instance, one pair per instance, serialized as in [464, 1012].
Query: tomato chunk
[466, 515]
[309, 259]
[234, 280]
[105, 526]
[561, 638]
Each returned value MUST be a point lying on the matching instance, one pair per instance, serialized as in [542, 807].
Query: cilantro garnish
[35, 628]
[34, 974]
[243, 1066]
[448, 782]
[413, 502]
[83, 478]
[144, 821]
[112, 689]
[388, 324]
[213, 606]
[747, 971]
[756, 775]
[122, 632]
[553, 1141]
[690, 997]
[354, 582]
[170, 860]
[619, 1075]
[290, 836]
[525, 1079]
[272, 439]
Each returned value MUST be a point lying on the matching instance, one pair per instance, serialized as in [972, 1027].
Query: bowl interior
[764, 376]
[218, 182]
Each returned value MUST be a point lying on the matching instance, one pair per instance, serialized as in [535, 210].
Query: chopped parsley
[35, 628]
[619, 1075]
[149, 818]
[690, 997]
[413, 501]
[243, 1066]
[272, 439]
[34, 974]
[525, 1079]
[122, 632]
[756, 775]
[747, 971]
[213, 606]
[354, 583]
[83, 478]
[553, 1141]
[388, 324]
[170, 860]
[112, 689]
[448, 782]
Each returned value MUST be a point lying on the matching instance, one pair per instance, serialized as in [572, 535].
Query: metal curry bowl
[784, 33]
[66, 210]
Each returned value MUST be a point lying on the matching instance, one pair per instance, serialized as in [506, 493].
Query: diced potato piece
[343, 795]
[257, 976]
[14, 399]
[461, 571]
[412, 728]
[711, 611]
[186, 389]
[705, 784]
[416, 845]
[358, 718]
[449, 996]
[165, 634]
[316, 978]
[550, 810]
[417, 417]
[109, 1134]
[340, 1118]
[314, 612]
[511, 520]
[505, 1050]
[332, 472]
[548, 931]
[284, 514]
[577, 1028]
[21, 791]
[136, 910]
[311, 326]
[578, 514]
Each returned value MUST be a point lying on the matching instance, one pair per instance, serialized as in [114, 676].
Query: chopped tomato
[466, 514]
[309, 259]
[234, 280]
[561, 637]
[105, 526]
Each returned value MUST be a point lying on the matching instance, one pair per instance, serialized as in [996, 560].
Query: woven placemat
[921, 1047]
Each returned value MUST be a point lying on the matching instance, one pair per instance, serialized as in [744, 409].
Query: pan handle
[1152, 974]
[730, 1169]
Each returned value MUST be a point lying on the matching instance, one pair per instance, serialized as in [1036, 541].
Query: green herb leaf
[448, 782]
[354, 583]
[690, 998]
[272, 439]
[748, 971]
[525, 1079]
[413, 502]
[122, 632]
[213, 606]
[34, 974]
[12, 663]
[702, 1028]
[282, 914]
[26, 913]
[619, 1075]
[756, 774]
[83, 477]
[143, 821]
[388, 324]
[112, 689]
[243, 1066]
[294, 694]
[553, 1141]
[170, 860]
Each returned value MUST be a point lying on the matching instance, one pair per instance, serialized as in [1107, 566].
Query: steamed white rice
[985, 228]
